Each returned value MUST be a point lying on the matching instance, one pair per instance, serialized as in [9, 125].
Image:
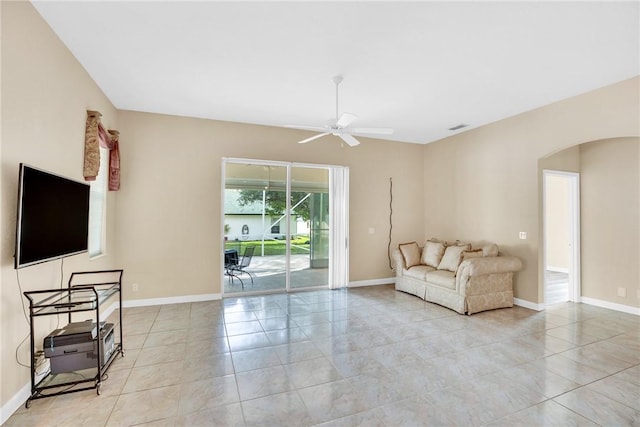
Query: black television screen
[53, 217]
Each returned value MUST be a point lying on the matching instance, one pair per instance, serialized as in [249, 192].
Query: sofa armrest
[490, 265]
[398, 261]
[484, 266]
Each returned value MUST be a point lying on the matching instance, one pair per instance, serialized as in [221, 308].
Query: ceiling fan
[340, 125]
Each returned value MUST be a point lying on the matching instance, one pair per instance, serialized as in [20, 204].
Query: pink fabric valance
[114, 161]
[95, 137]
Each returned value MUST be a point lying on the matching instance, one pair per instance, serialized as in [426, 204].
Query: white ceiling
[419, 67]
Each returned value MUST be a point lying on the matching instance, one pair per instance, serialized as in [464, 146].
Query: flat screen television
[53, 217]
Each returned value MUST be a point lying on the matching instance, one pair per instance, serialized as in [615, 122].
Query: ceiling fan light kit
[340, 125]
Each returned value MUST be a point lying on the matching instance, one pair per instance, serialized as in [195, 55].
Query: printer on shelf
[75, 347]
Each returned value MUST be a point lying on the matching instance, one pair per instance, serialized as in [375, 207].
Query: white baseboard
[107, 312]
[611, 305]
[373, 282]
[584, 300]
[170, 300]
[528, 304]
[158, 301]
[16, 401]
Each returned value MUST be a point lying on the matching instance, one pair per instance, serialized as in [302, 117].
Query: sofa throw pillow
[446, 242]
[476, 253]
[465, 245]
[411, 253]
[452, 258]
[432, 253]
[490, 250]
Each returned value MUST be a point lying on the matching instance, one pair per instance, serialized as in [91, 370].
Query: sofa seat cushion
[418, 272]
[442, 278]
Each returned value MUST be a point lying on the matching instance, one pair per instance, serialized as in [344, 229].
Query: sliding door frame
[339, 230]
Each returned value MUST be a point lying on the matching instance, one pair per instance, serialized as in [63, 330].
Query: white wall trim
[171, 300]
[388, 281]
[611, 305]
[528, 304]
[573, 269]
[16, 401]
[107, 312]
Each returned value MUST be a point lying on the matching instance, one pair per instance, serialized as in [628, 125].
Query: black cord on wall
[26, 316]
[390, 221]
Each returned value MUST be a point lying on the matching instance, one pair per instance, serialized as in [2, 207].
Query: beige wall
[485, 184]
[164, 225]
[610, 213]
[610, 192]
[169, 225]
[45, 94]
[564, 160]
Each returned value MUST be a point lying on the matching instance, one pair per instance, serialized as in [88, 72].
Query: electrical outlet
[523, 235]
[622, 292]
[134, 287]
[372, 230]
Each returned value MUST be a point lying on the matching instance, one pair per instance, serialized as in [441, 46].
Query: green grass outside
[271, 247]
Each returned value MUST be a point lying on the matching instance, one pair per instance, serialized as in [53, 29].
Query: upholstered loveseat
[456, 275]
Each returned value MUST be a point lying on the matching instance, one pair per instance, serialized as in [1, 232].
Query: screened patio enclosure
[283, 212]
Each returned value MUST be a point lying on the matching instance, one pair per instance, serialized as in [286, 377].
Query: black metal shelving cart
[86, 292]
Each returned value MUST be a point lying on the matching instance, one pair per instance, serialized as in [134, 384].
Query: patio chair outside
[235, 269]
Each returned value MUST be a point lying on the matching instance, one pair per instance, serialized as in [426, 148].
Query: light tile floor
[367, 356]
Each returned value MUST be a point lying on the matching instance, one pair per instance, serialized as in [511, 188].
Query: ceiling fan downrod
[337, 80]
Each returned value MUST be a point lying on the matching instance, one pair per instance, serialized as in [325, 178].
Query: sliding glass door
[255, 227]
[277, 226]
[310, 261]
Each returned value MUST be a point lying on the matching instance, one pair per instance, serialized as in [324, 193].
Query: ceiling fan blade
[315, 128]
[374, 131]
[349, 139]
[320, 135]
[345, 120]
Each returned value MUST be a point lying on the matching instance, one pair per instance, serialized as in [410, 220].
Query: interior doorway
[561, 241]
[281, 223]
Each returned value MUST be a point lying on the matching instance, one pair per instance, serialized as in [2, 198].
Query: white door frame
[574, 207]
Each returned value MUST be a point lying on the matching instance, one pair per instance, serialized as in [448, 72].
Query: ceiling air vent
[460, 126]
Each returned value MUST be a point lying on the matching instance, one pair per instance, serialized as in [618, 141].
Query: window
[98, 207]
[275, 229]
